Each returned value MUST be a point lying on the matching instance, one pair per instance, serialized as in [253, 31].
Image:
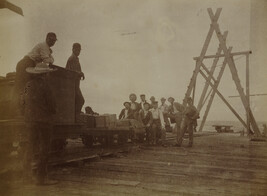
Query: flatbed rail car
[62, 84]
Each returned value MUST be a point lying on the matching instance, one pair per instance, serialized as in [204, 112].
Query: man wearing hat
[190, 114]
[152, 100]
[145, 117]
[126, 113]
[175, 113]
[134, 105]
[157, 123]
[40, 53]
[73, 64]
[38, 108]
[165, 110]
[143, 101]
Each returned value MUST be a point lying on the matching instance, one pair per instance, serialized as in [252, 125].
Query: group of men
[35, 101]
[157, 118]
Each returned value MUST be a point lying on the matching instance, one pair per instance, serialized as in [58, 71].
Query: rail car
[93, 130]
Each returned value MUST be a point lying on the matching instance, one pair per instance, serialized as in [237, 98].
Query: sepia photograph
[133, 97]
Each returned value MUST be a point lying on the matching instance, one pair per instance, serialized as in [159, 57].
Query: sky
[141, 46]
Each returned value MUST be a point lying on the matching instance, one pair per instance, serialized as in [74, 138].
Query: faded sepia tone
[148, 47]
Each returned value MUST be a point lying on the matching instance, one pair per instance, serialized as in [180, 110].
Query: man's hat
[146, 104]
[40, 68]
[189, 99]
[132, 94]
[142, 95]
[126, 103]
[76, 45]
[171, 98]
[152, 97]
[51, 35]
[163, 98]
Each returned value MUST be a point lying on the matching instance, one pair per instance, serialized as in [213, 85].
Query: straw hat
[39, 69]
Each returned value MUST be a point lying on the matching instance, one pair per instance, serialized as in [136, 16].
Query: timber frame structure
[208, 75]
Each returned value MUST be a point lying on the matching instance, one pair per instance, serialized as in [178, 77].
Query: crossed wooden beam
[208, 75]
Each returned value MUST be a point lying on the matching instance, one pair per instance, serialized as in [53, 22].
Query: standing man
[152, 100]
[134, 105]
[175, 113]
[165, 110]
[157, 124]
[145, 117]
[73, 64]
[190, 114]
[40, 53]
[39, 106]
[143, 101]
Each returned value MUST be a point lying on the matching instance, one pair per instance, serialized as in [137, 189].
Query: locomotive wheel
[88, 141]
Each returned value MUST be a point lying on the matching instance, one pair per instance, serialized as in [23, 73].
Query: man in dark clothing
[175, 113]
[40, 53]
[145, 117]
[127, 112]
[89, 110]
[134, 105]
[143, 101]
[190, 114]
[73, 64]
[39, 106]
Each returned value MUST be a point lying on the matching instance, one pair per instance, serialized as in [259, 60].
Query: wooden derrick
[226, 53]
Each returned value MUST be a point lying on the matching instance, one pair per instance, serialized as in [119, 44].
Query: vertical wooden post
[247, 92]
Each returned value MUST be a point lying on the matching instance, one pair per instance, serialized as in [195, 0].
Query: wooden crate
[89, 120]
[107, 120]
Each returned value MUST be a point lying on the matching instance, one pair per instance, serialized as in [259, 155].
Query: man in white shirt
[143, 101]
[157, 124]
[40, 53]
[165, 110]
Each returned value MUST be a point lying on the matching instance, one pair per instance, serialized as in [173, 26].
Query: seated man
[40, 53]
[126, 113]
[89, 110]
[157, 124]
[145, 117]
[190, 114]
[74, 65]
[134, 105]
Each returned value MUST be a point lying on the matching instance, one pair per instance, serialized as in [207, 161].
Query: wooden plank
[223, 55]
[213, 67]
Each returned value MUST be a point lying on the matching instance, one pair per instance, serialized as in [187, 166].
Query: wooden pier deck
[219, 164]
